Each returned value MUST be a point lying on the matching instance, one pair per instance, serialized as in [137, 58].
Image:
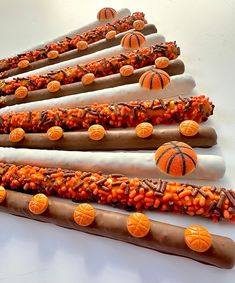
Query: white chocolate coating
[131, 164]
[120, 14]
[106, 53]
[180, 85]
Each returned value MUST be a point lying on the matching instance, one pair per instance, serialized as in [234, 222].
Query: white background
[205, 31]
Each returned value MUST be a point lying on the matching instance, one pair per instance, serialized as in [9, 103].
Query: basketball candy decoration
[88, 79]
[84, 214]
[110, 35]
[138, 225]
[82, 45]
[162, 62]
[106, 14]
[3, 194]
[23, 64]
[176, 158]
[197, 238]
[53, 86]
[126, 70]
[189, 128]
[144, 130]
[53, 54]
[154, 80]
[21, 92]
[138, 25]
[133, 40]
[96, 132]
[55, 133]
[16, 135]
[38, 204]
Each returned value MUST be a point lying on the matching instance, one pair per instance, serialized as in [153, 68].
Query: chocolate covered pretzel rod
[119, 115]
[103, 67]
[162, 237]
[68, 43]
[120, 191]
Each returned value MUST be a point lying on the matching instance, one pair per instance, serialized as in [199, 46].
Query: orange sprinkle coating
[126, 70]
[154, 79]
[162, 62]
[21, 92]
[138, 225]
[55, 133]
[38, 204]
[84, 214]
[106, 14]
[111, 34]
[17, 135]
[189, 128]
[53, 54]
[120, 115]
[53, 86]
[138, 25]
[23, 64]
[100, 68]
[144, 130]
[88, 79]
[67, 43]
[121, 191]
[198, 238]
[96, 132]
[3, 194]
[82, 45]
[176, 158]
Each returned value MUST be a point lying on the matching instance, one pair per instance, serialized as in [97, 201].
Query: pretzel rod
[182, 85]
[120, 191]
[102, 44]
[158, 111]
[120, 14]
[68, 43]
[206, 137]
[162, 237]
[175, 67]
[103, 67]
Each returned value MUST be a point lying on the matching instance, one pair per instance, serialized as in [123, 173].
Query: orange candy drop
[82, 45]
[55, 133]
[3, 194]
[138, 25]
[84, 214]
[162, 62]
[144, 130]
[38, 204]
[126, 70]
[198, 238]
[53, 86]
[16, 135]
[111, 34]
[23, 64]
[53, 54]
[96, 132]
[138, 225]
[88, 79]
[189, 128]
[21, 92]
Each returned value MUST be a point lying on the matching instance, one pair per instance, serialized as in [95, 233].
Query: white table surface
[37, 252]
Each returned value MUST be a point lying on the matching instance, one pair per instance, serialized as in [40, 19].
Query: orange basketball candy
[154, 79]
[96, 132]
[23, 64]
[162, 62]
[53, 86]
[84, 214]
[111, 34]
[132, 40]
[38, 204]
[82, 45]
[138, 25]
[55, 133]
[176, 158]
[53, 54]
[106, 14]
[138, 225]
[189, 128]
[144, 130]
[3, 194]
[21, 92]
[198, 238]
[88, 79]
[126, 70]
[16, 135]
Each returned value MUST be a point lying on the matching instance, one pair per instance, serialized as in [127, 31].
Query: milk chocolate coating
[114, 139]
[162, 237]
[94, 47]
[176, 67]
